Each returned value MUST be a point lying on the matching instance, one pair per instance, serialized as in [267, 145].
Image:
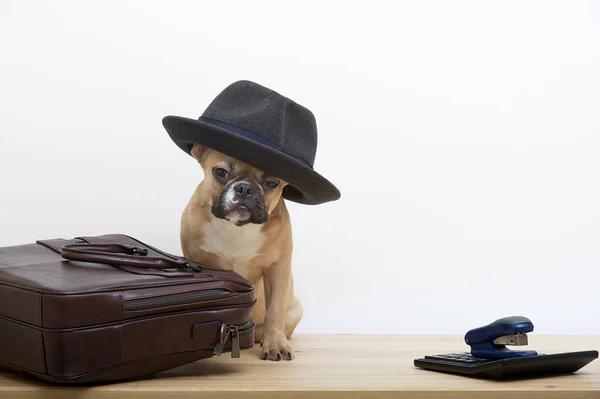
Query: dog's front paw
[276, 347]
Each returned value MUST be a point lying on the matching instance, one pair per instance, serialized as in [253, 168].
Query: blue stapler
[490, 341]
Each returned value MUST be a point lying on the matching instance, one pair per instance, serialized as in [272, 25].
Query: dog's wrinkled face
[237, 192]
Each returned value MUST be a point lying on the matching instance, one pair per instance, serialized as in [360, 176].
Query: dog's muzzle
[242, 202]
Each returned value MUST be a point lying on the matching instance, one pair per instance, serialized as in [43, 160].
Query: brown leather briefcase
[108, 308]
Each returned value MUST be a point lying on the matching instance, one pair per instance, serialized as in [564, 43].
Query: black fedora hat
[264, 129]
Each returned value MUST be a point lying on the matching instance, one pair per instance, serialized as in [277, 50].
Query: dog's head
[235, 190]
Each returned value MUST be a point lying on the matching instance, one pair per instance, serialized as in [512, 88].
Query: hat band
[252, 136]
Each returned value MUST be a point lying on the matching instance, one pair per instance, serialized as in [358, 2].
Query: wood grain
[334, 366]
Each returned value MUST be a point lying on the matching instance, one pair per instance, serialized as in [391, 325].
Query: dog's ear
[199, 151]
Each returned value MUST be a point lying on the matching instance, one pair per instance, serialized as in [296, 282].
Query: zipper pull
[225, 332]
[235, 342]
[228, 332]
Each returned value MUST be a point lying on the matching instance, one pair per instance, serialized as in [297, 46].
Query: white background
[464, 137]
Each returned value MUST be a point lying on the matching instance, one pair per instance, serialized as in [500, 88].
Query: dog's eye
[220, 172]
[271, 183]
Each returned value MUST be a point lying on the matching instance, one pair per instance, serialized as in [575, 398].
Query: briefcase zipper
[176, 299]
[231, 332]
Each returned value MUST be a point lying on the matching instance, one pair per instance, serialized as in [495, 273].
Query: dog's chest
[235, 246]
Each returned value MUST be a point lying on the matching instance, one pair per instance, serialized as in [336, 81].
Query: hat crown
[267, 113]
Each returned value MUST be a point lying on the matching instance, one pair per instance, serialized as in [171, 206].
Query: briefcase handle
[120, 255]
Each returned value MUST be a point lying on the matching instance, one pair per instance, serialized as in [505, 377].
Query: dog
[237, 219]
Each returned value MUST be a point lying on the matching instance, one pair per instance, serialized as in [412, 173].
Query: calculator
[540, 365]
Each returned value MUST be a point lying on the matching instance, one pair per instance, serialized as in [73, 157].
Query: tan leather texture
[106, 308]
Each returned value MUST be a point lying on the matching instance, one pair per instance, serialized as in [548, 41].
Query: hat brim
[305, 185]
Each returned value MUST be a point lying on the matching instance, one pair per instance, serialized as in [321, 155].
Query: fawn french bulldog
[257, 149]
[237, 219]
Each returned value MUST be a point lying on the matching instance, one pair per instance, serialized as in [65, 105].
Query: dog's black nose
[244, 190]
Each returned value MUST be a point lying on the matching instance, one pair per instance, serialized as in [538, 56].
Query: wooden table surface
[334, 366]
